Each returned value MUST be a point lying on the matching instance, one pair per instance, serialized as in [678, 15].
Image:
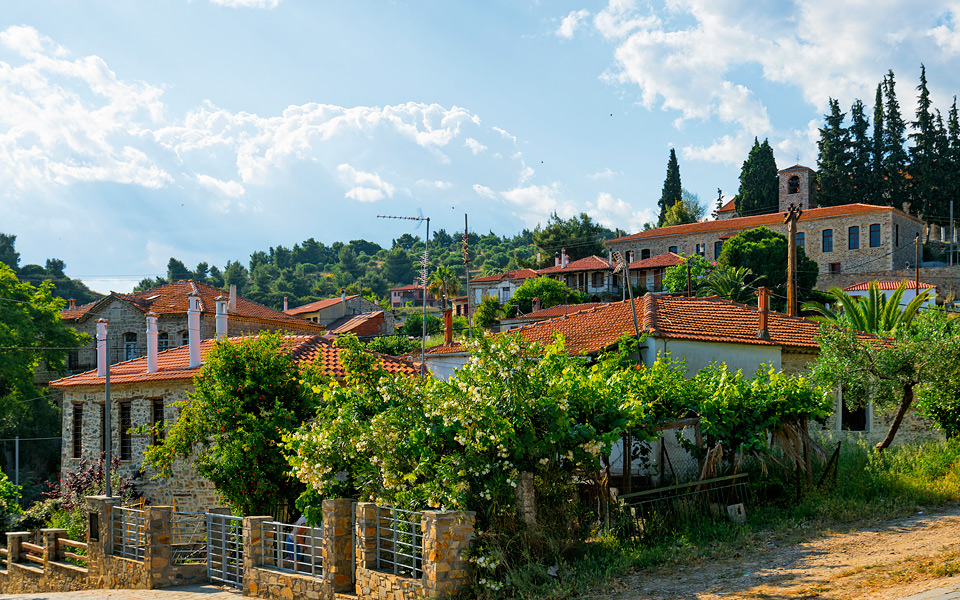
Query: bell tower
[797, 186]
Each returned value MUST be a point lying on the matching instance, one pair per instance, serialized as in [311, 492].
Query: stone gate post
[252, 551]
[158, 551]
[51, 551]
[338, 544]
[446, 536]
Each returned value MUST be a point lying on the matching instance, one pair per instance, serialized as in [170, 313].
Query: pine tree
[759, 184]
[895, 162]
[925, 184]
[671, 187]
[834, 159]
[861, 173]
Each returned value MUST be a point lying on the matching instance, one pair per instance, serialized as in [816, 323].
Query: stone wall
[947, 279]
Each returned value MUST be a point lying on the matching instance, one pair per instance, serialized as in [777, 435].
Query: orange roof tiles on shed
[318, 305]
[364, 324]
[562, 309]
[887, 285]
[587, 263]
[173, 365]
[667, 259]
[730, 206]
[172, 299]
[515, 274]
[758, 220]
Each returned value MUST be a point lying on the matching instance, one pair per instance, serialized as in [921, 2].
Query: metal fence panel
[399, 542]
[225, 549]
[189, 537]
[296, 548]
[128, 533]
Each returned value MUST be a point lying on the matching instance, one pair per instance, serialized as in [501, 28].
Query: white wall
[698, 354]
[443, 366]
[908, 295]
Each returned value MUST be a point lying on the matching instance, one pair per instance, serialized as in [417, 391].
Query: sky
[131, 132]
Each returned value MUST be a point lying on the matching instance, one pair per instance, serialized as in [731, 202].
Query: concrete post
[338, 548]
[50, 550]
[252, 551]
[366, 525]
[446, 536]
[14, 539]
[158, 553]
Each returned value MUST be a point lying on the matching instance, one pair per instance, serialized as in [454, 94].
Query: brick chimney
[448, 327]
[535, 305]
[285, 307]
[101, 347]
[193, 326]
[221, 317]
[152, 335]
[71, 304]
[763, 307]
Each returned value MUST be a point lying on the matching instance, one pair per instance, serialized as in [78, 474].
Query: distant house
[649, 272]
[728, 210]
[145, 391]
[545, 315]
[501, 286]
[344, 314]
[127, 314]
[889, 286]
[590, 275]
[413, 294]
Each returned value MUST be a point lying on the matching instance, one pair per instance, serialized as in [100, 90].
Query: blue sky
[208, 129]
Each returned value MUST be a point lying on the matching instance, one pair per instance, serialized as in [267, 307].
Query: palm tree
[444, 282]
[873, 313]
[729, 283]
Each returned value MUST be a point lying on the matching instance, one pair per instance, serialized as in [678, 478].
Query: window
[875, 235]
[645, 254]
[184, 337]
[672, 249]
[126, 444]
[801, 239]
[853, 238]
[597, 279]
[163, 341]
[828, 240]
[630, 255]
[793, 185]
[702, 249]
[158, 420]
[77, 430]
[717, 249]
[853, 414]
[834, 268]
[129, 345]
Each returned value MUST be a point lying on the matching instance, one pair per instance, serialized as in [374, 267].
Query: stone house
[649, 272]
[353, 314]
[127, 316]
[591, 275]
[545, 314]
[853, 238]
[501, 286]
[145, 391]
[413, 294]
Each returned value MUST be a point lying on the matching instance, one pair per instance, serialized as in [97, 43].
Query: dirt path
[895, 560]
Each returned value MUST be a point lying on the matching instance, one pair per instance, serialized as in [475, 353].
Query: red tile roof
[412, 286]
[515, 274]
[172, 299]
[705, 319]
[588, 263]
[454, 348]
[887, 285]
[363, 324]
[730, 206]
[660, 261]
[318, 305]
[758, 220]
[561, 309]
[173, 365]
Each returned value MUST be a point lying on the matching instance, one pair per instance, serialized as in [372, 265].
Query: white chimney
[193, 325]
[222, 317]
[556, 259]
[285, 307]
[232, 305]
[343, 294]
[152, 342]
[102, 347]
[563, 258]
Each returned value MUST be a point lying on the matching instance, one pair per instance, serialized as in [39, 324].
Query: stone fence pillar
[158, 552]
[252, 551]
[446, 536]
[338, 546]
[14, 539]
[366, 523]
[99, 535]
[51, 550]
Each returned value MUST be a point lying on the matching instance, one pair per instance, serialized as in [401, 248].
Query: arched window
[184, 337]
[163, 341]
[645, 254]
[129, 345]
[793, 185]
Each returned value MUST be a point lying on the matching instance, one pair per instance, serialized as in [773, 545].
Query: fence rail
[189, 537]
[399, 541]
[128, 533]
[64, 543]
[296, 548]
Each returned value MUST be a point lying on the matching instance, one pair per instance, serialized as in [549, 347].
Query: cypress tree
[860, 155]
[895, 162]
[878, 153]
[834, 159]
[951, 169]
[672, 189]
[759, 184]
[923, 185]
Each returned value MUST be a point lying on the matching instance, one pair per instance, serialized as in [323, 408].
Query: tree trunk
[904, 406]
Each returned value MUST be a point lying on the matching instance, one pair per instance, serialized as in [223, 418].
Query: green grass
[871, 487]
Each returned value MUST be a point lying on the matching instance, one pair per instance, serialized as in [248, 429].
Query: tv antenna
[424, 267]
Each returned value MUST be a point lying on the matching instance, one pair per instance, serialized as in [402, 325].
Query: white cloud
[505, 134]
[230, 189]
[534, 203]
[440, 185]
[484, 191]
[247, 3]
[607, 173]
[368, 187]
[475, 146]
[571, 22]
[614, 213]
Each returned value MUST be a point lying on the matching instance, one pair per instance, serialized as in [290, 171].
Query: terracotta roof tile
[173, 364]
[588, 263]
[318, 305]
[887, 285]
[515, 274]
[757, 221]
[730, 206]
[660, 261]
[412, 286]
[562, 309]
[364, 324]
[454, 348]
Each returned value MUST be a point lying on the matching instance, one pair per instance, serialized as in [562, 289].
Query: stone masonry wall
[947, 279]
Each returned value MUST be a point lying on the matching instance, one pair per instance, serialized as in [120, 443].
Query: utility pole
[916, 271]
[952, 233]
[790, 218]
[107, 426]
[689, 280]
[466, 269]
